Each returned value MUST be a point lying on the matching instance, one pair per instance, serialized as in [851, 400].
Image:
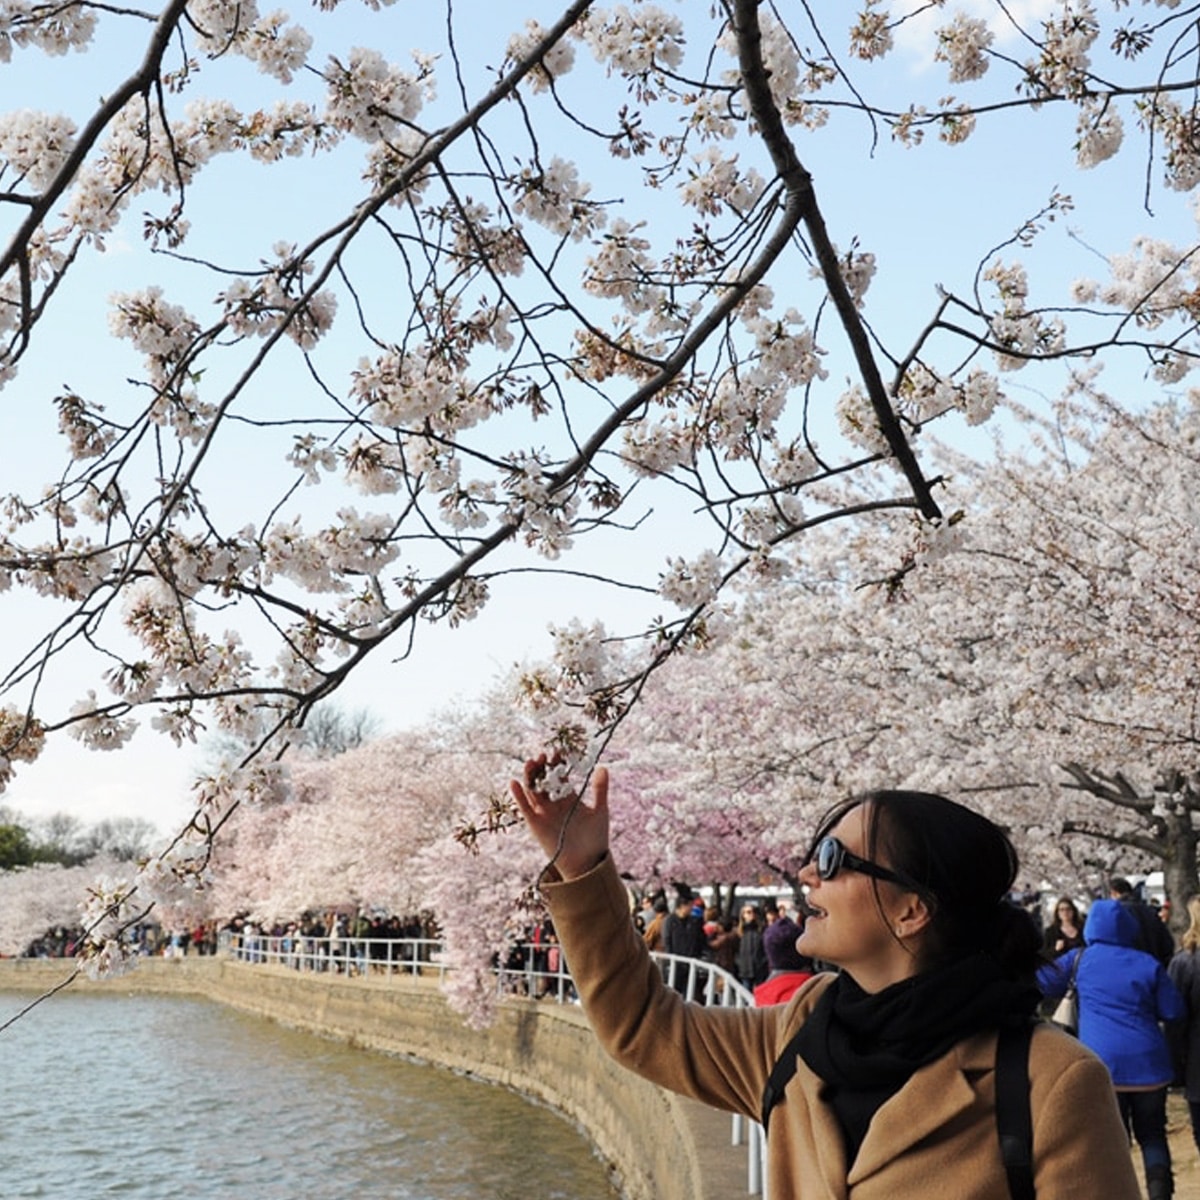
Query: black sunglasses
[831, 856]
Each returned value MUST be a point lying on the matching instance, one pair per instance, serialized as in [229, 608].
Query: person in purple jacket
[1124, 993]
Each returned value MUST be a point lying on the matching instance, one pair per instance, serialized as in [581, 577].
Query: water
[159, 1098]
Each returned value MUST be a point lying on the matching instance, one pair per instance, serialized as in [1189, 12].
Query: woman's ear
[910, 916]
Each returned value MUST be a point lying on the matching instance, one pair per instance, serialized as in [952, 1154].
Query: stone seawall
[541, 1049]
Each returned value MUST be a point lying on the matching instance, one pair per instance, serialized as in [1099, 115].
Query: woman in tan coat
[893, 1095]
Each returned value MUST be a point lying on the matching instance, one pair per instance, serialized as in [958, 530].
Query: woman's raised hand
[573, 832]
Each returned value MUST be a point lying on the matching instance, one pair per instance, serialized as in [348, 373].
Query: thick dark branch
[799, 185]
[137, 84]
[1113, 789]
[1150, 846]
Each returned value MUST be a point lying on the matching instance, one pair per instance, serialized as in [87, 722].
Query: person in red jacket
[789, 968]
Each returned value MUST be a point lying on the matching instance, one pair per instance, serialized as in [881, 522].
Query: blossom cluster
[268, 304]
[790, 79]
[1101, 132]
[556, 198]
[545, 515]
[1155, 282]
[236, 25]
[1063, 66]
[175, 881]
[372, 99]
[857, 268]
[692, 584]
[963, 44]
[99, 730]
[548, 67]
[1020, 333]
[634, 41]
[104, 915]
[715, 181]
[21, 740]
[34, 145]
[53, 29]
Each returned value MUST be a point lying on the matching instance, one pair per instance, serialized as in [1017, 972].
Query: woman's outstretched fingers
[573, 832]
[600, 789]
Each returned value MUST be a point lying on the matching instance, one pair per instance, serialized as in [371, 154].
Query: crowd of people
[343, 941]
[758, 948]
[145, 938]
[1138, 1008]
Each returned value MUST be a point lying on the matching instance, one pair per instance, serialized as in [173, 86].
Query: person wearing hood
[1123, 994]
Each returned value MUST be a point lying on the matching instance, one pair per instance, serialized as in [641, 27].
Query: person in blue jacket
[1124, 993]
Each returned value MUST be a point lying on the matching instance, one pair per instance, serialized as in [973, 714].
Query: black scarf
[866, 1046]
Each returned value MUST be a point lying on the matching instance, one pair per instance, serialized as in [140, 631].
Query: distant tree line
[67, 839]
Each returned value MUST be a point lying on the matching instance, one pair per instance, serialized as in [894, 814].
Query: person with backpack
[1153, 935]
[879, 1081]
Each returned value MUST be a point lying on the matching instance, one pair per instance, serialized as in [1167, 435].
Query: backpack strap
[1014, 1121]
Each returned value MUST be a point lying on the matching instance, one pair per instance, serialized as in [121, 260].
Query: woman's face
[845, 926]
[1066, 914]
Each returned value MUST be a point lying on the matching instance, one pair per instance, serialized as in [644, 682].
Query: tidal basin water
[158, 1098]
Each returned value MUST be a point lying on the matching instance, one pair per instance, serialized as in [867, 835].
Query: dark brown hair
[963, 866]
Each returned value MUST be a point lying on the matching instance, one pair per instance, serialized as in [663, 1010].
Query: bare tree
[331, 730]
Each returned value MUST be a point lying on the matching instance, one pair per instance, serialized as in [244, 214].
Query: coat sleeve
[719, 1055]
[1055, 977]
[1171, 1005]
[1080, 1147]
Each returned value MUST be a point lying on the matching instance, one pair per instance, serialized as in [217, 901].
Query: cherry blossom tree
[1077, 627]
[40, 897]
[381, 826]
[1036, 657]
[732, 756]
[537, 311]
[350, 828]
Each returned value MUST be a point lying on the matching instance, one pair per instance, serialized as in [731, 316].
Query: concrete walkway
[722, 1164]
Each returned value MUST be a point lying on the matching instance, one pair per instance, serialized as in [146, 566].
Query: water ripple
[160, 1098]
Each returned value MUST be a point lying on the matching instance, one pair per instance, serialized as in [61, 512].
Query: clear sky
[928, 215]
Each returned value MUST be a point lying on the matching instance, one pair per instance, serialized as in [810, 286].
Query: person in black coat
[752, 965]
[1065, 931]
[1153, 936]
[1184, 969]
[683, 935]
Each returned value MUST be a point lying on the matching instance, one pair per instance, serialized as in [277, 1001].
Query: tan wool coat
[936, 1139]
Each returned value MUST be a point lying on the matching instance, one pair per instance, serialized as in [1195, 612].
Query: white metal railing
[340, 955]
[534, 970]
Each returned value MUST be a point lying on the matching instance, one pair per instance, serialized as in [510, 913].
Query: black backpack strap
[780, 1077]
[1014, 1121]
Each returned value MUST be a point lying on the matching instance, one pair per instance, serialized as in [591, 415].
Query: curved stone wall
[542, 1049]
